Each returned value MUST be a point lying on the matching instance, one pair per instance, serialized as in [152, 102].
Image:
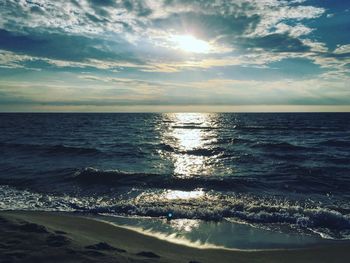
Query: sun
[189, 43]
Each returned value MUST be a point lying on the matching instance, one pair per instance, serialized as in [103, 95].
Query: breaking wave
[260, 211]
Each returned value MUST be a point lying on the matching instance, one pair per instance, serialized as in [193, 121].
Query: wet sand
[56, 237]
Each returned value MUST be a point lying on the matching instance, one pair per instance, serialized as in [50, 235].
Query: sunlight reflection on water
[190, 134]
[186, 225]
[176, 194]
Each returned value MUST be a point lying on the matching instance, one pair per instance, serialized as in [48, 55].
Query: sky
[174, 55]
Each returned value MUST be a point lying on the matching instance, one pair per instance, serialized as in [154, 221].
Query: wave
[280, 146]
[295, 179]
[288, 179]
[329, 222]
[194, 127]
[210, 151]
[166, 147]
[261, 211]
[286, 127]
[204, 151]
[93, 175]
[290, 157]
[50, 149]
[71, 150]
[116, 177]
[336, 143]
[234, 141]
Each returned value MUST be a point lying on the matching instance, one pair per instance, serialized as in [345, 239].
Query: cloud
[101, 91]
[64, 46]
[276, 43]
[342, 49]
[125, 31]
[294, 31]
[206, 26]
[207, 19]
[102, 2]
[130, 44]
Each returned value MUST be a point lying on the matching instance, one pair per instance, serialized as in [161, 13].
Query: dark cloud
[101, 7]
[14, 99]
[226, 8]
[339, 56]
[102, 2]
[230, 30]
[208, 25]
[75, 2]
[32, 3]
[221, 20]
[136, 6]
[128, 5]
[37, 10]
[144, 11]
[65, 47]
[276, 43]
[96, 19]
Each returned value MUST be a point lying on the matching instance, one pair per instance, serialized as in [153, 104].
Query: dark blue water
[273, 170]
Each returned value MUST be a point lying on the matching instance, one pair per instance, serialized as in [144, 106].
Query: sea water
[280, 172]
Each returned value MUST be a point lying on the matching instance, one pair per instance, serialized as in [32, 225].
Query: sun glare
[189, 43]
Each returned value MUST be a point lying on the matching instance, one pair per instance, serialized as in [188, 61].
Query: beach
[58, 237]
[174, 131]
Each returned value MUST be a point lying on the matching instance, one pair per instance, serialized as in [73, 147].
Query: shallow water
[286, 172]
[209, 234]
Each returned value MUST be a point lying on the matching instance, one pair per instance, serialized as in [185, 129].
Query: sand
[56, 237]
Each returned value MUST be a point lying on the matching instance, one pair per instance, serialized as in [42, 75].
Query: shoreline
[217, 235]
[75, 238]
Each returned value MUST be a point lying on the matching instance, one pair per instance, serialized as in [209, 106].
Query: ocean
[281, 172]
